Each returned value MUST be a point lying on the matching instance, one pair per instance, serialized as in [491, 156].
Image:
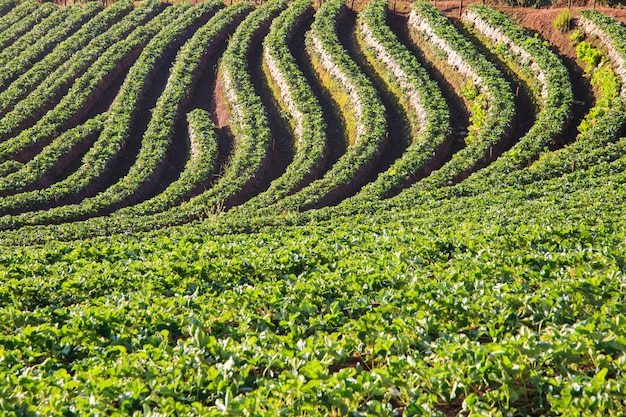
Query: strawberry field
[280, 209]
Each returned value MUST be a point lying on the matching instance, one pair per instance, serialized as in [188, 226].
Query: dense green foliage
[300, 105]
[20, 57]
[486, 88]
[419, 95]
[129, 286]
[358, 100]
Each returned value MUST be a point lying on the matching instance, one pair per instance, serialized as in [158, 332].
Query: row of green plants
[47, 36]
[359, 103]
[417, 93]
[505, 303]
[53, 88]
[300, 107]
[247, 119]
[547, 76]
[35, 171]
[16, 31]
[33, 32]
[17, 13]
[197, 172]
[168, 110]
[12, 91]
[215, 32]
[84, 91]
[166, 32]
[488, 95]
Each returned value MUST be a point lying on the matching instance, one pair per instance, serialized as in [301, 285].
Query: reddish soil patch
[219, 105]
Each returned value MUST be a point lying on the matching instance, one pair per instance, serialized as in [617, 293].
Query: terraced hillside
[282, 210]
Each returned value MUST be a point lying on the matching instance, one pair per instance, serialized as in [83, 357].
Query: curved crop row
[18, 30]
[301, 107]
[13, 92]
[19, 12]
[363, 107]
[46, 94]
[490, 95]
[18, 59]
[98, 160]
[247, 116]
[425, 106]
[613, 36]
[84, 91]
[530, 54]
[198, 169]
[53, 157]
[95, 161]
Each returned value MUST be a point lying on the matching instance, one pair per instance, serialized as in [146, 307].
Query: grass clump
[563, 21]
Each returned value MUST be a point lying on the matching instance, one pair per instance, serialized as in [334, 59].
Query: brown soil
[219, 106]
[225, 138]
